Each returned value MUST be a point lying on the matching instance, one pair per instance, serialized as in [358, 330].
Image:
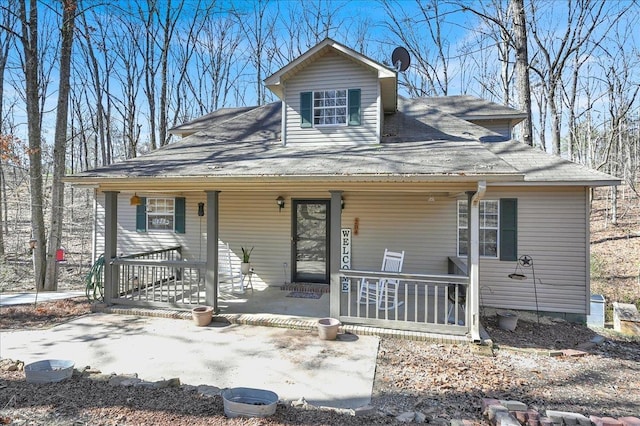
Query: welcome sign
[345, 256]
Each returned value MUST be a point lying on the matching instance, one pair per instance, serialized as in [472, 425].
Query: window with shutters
[324, 108]
[489, 228]
[160, 214]
[330, 108]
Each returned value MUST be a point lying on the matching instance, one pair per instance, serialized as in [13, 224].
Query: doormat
[304, 295]
[306, 287]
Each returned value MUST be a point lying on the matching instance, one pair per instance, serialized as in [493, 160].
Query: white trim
[283, 129]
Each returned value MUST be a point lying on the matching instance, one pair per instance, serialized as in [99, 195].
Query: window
[160, 214]
[330, 108]
[489, 228]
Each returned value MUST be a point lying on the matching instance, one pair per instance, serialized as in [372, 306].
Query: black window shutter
[508, 229]
[180, 215]
[306, 109]
[141, 215]
[354, 107]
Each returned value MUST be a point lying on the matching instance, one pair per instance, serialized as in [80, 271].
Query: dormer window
[330, 108]
[336, 107]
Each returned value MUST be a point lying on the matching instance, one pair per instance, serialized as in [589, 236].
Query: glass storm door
[310, 240]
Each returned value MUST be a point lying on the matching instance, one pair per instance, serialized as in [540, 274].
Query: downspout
[474, 261]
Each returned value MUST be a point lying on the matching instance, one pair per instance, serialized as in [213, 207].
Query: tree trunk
[60, 144]
[31, 65]
[5, 43]
[522, 68]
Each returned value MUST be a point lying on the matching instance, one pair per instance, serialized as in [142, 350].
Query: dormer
[333, 94]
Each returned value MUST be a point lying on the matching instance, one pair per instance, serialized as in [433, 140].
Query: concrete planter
[202, 315]
[507, 320]
[248, 402]
[48, 371]
[328, 328]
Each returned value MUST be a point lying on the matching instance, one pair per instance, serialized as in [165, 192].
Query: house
[341, 168]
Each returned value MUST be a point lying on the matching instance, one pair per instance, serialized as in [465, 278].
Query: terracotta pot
[202, 315]
[328, 328]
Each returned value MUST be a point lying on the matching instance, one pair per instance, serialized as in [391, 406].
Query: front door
[310, 241]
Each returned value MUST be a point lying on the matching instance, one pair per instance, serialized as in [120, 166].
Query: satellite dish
[400, 59]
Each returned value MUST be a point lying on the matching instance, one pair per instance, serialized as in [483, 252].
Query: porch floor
[270, 306]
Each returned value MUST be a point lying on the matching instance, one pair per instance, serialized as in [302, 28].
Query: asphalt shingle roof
[470, 107]
[418, 141]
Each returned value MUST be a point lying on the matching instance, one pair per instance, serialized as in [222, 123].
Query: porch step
[282, 321]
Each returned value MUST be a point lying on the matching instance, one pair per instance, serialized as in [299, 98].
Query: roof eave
[135, 182]
[588, 183]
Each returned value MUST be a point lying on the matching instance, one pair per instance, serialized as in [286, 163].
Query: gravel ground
[443, 382]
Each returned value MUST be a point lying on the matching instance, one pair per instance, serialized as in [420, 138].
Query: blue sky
[358, 24]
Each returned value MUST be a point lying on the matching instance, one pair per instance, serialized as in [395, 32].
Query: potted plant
[245, 266]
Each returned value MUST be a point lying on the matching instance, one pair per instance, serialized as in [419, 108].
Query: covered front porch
[435, 302]
[431, 303]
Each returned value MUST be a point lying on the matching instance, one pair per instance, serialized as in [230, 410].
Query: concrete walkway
[7, 299]
[292, 363]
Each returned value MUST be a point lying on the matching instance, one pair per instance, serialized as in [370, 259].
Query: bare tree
[556, 48]
[8, 19]
[216, 63]
[259, 27]
[67, 28]
[129, 74]
[28, 17]
[99, 67]
[520, 42]
[429, 54]
[510, 23]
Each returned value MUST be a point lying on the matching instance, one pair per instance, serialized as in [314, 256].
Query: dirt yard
[443, 382]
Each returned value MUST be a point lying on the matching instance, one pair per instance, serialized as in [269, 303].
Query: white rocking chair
[226, 270]
[384, 292]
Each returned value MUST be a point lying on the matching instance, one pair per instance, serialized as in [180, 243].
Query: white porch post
[110, 244]
[335, 220]
[211, 275]
[474, 261]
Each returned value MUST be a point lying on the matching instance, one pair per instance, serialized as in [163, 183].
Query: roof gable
[387, 77]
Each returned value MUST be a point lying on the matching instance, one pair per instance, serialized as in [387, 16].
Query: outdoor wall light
[342, 203]
[135, 200]
[280, 203]
[200, 209]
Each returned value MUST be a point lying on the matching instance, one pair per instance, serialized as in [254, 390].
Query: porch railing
[427, 303]
[159, 278]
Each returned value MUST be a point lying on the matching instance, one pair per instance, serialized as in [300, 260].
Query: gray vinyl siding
[130, 241]
[245, 219]
[552, 229]
[329, 72]
[502, 127]
[401, 222]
